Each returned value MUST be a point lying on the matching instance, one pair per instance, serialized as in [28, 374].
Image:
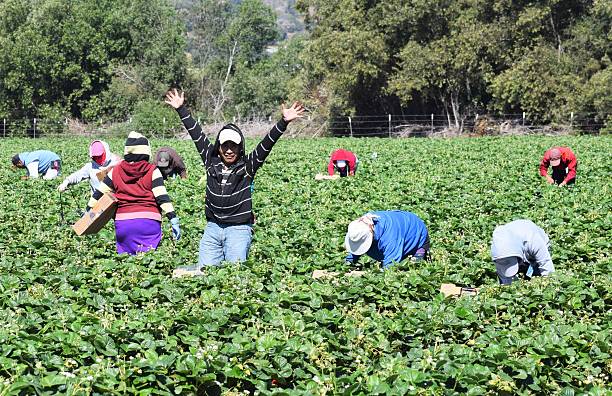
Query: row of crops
[79, 319]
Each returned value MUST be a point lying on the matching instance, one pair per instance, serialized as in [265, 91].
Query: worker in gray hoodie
[520, 247]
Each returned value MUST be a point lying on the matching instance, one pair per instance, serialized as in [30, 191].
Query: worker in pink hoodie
[564, 164]
[101, 161]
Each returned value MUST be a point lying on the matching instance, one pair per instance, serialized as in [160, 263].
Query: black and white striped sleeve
[257, 157]
[105, 186]
[161, 195]
[202, 143]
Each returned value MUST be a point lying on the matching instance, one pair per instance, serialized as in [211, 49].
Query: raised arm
[176, 99]
[257, 157]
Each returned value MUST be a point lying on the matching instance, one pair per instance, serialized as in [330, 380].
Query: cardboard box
[102, 174]
[449, 289]
[94, 220]
[320, 176]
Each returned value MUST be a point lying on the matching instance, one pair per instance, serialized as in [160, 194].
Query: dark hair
[15, 160]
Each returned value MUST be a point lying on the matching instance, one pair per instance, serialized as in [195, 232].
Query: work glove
[62, 187]
[176, 229]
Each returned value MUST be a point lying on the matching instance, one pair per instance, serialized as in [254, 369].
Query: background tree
[455, 57]
[86, 58]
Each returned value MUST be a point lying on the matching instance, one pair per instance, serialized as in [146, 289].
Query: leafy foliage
[457, 57]
[67, 55]
[80, 319]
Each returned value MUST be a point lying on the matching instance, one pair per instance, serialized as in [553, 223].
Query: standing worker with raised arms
[229, 175]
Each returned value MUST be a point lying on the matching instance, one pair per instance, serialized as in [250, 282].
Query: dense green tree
[260, 89]
[64, 55]
[454, 56]
[229, 40]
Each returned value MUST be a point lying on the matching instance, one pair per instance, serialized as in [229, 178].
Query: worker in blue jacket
[37, 163]
[388, 237]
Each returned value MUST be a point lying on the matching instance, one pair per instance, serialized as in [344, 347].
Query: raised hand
[175, 98]
[295, 111]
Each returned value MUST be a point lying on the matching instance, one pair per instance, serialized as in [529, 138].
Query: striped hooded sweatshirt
[228, 189]
[137, 184]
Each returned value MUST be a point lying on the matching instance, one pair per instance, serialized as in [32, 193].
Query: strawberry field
[79, 319]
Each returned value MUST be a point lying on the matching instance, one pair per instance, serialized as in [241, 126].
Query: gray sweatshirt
[523, 239]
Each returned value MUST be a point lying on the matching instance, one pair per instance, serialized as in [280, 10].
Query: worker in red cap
[564, 164]
[344, 162]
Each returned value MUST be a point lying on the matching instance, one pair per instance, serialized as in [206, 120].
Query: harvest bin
[97, 217]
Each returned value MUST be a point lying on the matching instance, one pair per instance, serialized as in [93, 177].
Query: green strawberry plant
[79, 319]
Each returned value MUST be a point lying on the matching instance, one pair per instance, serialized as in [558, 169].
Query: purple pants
[137, 235]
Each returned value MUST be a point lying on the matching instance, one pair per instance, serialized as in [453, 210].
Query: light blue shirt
[45, 159]
[397, 235]
[525, 240]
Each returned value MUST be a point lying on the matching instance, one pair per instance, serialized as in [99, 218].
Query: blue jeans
[224, 242]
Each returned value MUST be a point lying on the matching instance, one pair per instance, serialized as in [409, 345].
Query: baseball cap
[555, 157]
[229, 135]
[358, 238]
[341, 163]
[163, 159]
[507, 267]
[96, 148]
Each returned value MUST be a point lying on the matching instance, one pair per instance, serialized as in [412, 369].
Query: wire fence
[435, 124]
[390, 125]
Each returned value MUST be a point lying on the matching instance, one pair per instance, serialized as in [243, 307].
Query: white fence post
[4, 127]
[571, 119]
[351, 126]
[34, 127]
[389, 125]
[432, 126]
[523, 118]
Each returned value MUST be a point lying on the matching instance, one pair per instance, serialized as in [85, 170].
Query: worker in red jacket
[344, 162]
[563, 162]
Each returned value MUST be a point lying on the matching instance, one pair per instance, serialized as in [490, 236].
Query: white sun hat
[358, 237]
[227, 135]
[341, 163]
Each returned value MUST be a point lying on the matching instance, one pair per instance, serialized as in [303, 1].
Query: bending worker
[95, 170]
[520, 247]
[387, 236]
[564, 164]
[170, 163]
[40, 162]
[344, 162]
